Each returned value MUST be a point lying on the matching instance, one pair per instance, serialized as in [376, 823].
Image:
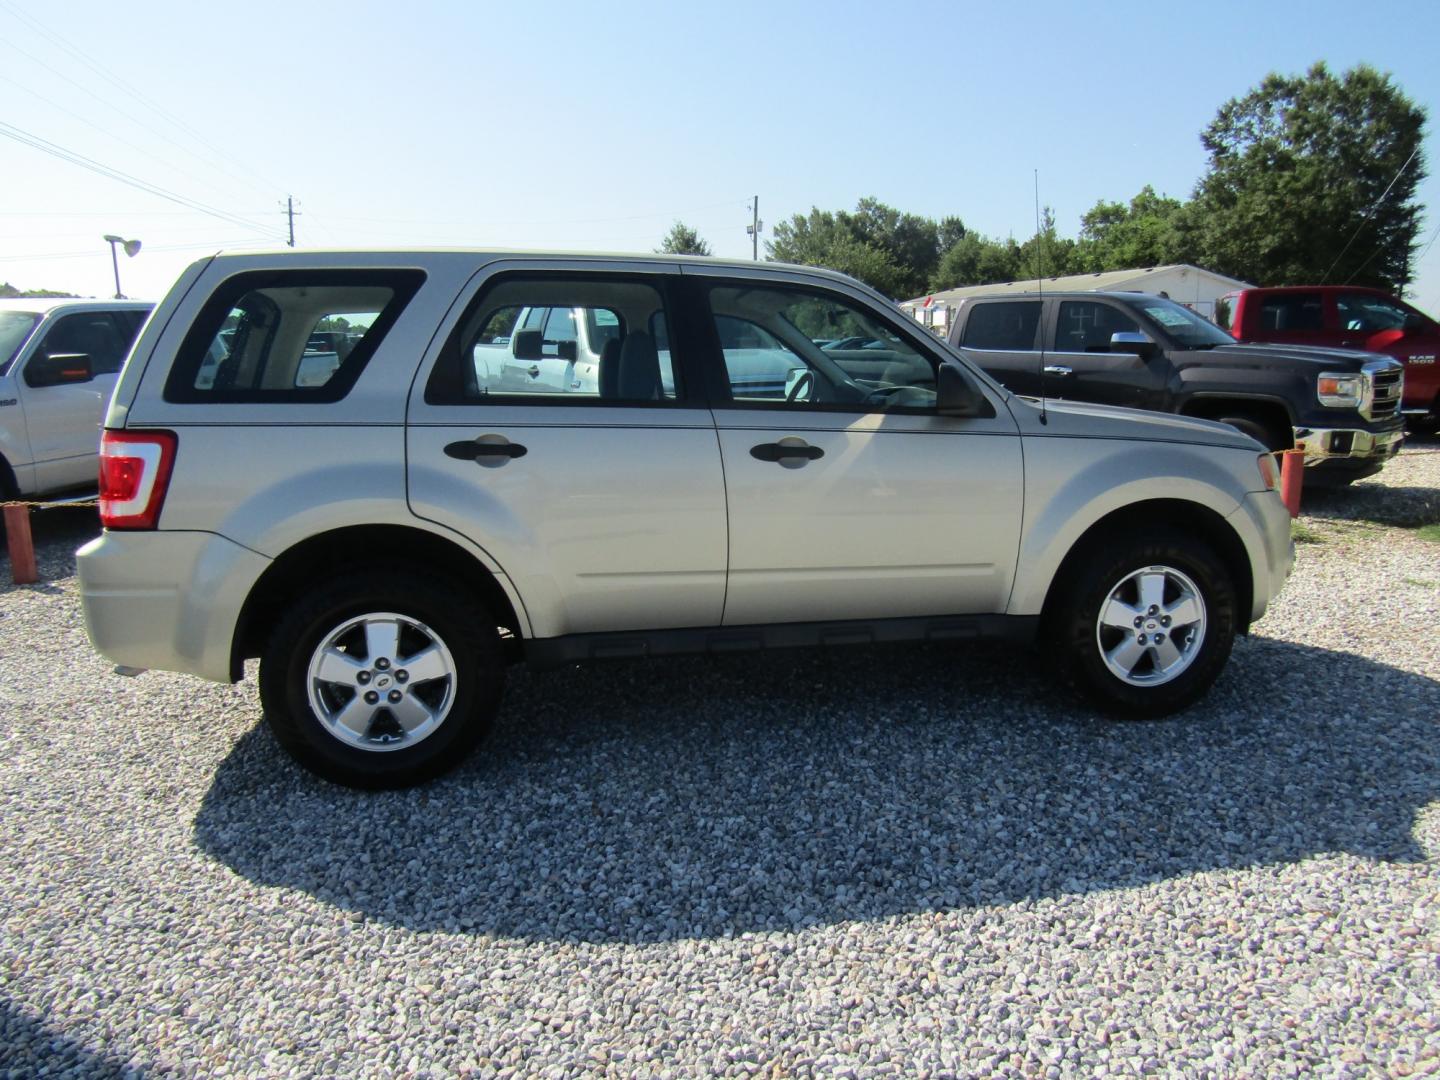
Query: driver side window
[798, 348]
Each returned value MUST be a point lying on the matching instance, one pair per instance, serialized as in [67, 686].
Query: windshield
[1191, 330]
[15, 327]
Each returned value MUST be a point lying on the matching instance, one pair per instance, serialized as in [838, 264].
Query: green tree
[977, 260]
[1046, 254]
[1313, 179]
[10, 292]
[894, 252]
[682, 240]
[1153, 230]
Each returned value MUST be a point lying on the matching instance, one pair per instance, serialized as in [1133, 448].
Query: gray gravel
[904, 861]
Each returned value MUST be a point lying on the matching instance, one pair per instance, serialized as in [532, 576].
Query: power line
[107, 131]
[505, 224]
[1371, 213]
[55, 150]
[88, 253]
[267, 186]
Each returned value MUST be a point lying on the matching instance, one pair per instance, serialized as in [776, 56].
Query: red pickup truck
[1347, 317]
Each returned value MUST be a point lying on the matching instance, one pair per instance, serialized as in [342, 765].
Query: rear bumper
[167, 600]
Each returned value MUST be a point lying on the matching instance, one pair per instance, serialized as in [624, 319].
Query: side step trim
[629, 645]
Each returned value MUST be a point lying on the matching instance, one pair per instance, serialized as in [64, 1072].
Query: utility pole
[754, 228]
[290, 216]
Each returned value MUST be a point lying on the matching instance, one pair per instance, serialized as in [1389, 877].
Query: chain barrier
[18, 538]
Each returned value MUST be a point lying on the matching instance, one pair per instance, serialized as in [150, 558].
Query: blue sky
[595, 126]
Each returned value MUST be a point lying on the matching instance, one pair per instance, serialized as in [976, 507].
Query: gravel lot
[903, 861]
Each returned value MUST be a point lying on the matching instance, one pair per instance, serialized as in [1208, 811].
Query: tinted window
[15, 327]
[1008, 326]
[602, 340]
[1291, 311]
[288, 336]
[94, 333]
[1086, 326]
[768, 343]
[1361, 311]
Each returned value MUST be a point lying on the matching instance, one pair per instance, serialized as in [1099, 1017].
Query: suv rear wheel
[380, 679]
[1147, 625]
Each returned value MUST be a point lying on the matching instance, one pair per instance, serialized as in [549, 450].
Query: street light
[132, 248]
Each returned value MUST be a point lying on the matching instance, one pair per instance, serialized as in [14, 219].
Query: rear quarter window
[288, 336]
[1007, 326]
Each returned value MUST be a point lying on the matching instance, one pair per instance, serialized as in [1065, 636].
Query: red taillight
[134, 473]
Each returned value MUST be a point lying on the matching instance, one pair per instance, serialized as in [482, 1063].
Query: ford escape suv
[387, 531]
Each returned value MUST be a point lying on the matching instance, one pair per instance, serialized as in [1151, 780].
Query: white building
[1197, 289]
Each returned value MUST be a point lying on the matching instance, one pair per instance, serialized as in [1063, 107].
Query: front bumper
[1263, 525]
[1353, 445]
[167, 600]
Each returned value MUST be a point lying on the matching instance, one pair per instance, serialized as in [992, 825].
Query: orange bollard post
[1292, 477]
[22, 545]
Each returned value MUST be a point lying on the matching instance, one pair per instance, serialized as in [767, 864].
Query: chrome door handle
[1057, 369]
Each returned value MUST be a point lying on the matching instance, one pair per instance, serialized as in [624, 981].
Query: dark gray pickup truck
[1146, 352]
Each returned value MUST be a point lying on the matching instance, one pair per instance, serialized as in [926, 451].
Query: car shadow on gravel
[709, 797]
[1404, 507]
[31, 1048]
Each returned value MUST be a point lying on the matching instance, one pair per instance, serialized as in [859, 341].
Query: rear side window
[561, 340]
[1008, 326]
[1292, 311]
[294, 335]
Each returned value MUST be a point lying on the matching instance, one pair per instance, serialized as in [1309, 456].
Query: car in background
[1347, 317]
[1147, 352]
[59, 359]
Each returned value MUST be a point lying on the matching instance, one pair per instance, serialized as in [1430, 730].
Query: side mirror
[525, 344]
[956, 395]
[1413, 323]
[1132, 342]
[58, 369]
[567, 350]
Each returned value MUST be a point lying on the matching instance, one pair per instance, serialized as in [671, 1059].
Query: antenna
[1040, 291]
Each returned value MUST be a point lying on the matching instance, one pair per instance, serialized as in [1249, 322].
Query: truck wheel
[1147, 625]
[380, 680]
[1262, 431]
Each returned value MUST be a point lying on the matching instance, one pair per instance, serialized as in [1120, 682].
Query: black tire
[9, 489]
[464, 700]
[1266, 433]
[1076, 633]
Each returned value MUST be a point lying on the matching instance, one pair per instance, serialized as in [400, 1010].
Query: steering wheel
[803, 384]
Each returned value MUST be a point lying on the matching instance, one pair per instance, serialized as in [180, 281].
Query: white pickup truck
[562, 350]
[58, 364]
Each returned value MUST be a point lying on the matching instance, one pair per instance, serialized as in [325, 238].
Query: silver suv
[386, 532]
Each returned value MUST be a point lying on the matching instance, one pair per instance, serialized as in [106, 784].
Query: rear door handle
[790, 452]
[491, 451]
[534, 371]
[1057, 369]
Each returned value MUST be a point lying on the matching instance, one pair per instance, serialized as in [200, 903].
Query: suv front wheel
[380, 679]
[1147, 624]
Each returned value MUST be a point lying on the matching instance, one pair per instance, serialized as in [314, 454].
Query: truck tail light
[134, 475]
